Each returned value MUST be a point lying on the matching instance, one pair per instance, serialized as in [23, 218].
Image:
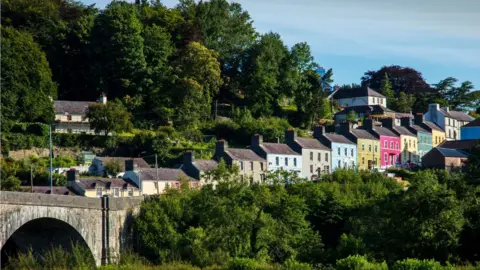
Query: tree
[310, 100]
[387, 91]
[404, 103]
[10, 183]
[457, 97]
[108, 118]
[27, 86]
[352, 116]
[118, 42]
[113, 167]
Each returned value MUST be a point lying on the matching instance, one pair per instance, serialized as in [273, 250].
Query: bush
[292, 264]
[358, 262]
[248, 264]
[415, 264]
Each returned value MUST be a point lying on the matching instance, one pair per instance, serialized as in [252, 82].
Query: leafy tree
[457, 97]
[118, 42]
[10, 183]
[108, 118]
[405, 102]
[352, 117]
[27, 86]
[113, 167]
[387, 91]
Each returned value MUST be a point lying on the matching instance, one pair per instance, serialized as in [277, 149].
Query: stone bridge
[40, 221]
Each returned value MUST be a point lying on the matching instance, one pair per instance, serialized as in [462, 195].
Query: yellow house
[98, 187]
[368, 146]
[438, 134]
[408, 144]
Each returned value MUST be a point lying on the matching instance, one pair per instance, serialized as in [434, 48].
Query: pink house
[390, 150]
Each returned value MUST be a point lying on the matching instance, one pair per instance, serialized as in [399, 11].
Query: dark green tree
[387, 91]
[109, 118]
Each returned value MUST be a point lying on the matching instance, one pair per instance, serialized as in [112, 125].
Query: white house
[70, 116]
[347, 97]
[450, 121]
[279, 156]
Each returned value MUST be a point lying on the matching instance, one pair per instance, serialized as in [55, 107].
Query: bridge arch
[40, 235]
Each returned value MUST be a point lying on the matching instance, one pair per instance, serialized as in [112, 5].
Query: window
[346, 151]
[241, 165]
[99, 192]
[385, 144]
[397, 147]
[449, 133]
[130, 192]
[391, 145]
[385, 158]
[351, 152]
[261, 166]
[311, 155]
[295, 162]
[363, 147]
[376, 150]
[116, 192]
[286, 161]
[177, 185]
[277, 161]
[326, 169]
[405, 142]
[311, 168]
[409, 143]
[339, 164]
[251, 165]
[319, 157]
[338, 150]
[369, 148]
[326, 157]
[363, 160]
[353, 164]
[345, 165]
[69, 118]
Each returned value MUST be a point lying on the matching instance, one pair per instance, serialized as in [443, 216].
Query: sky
[439, 38]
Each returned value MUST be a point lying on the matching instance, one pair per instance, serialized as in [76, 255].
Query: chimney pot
[72, 175]
[290, 135]
[318, 131]
[220, 148]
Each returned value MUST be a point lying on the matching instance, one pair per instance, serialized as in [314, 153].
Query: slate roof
[474, 123]
[309, 143]
[205, 164]
[71, 107]
[46, 190]
[363, 134]
[356, 92]
[365, 109]
[420, 129]
[91, 183]
[278, 148]
[404, 131]
[383, 131]
[337, 138]
[460, 144]
[243, 154]
[164, 174]
[457, 115]
[140, 162]
[448, 152]
[432, 126]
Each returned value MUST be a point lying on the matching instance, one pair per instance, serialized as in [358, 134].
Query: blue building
[470, 131]
[344, 151]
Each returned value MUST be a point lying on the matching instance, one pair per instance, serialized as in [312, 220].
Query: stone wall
[45, 152]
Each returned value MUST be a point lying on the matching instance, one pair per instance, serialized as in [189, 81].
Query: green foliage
[360, 263]
[109, 118]
[415, 264]
[10, 183]
[113, 167]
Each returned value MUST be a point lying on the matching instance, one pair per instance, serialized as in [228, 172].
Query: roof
[366, 109]
[420, 129]
[91, 183]
[309, 143]
[164, 174]
[448, 152]
[278, 148]
[432, 126]
[46, 190]
[356, 92]
[457, 115]
[403, 115]
[205, 164]
[71, 107]
[363, 134]
[383, 131]
[460, 144]
[474, 123]
[404, 131]
[243, 154]
[337, 138]
[139, 162]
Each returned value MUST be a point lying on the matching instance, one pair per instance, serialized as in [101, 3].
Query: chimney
[188, 157]
[388, 123]
[447, 109]
[103, 99]
[130, 165]
[405, 122]
[318, 131]
[368, 123]
[220, 147]
[72, 175]
[290, 135]
[418, 119]
[346, 127]
[256, 141]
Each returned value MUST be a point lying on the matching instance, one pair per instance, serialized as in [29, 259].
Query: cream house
[448, 120]
[71, 116]
[252, 167]
[98, 187]
[155, 181]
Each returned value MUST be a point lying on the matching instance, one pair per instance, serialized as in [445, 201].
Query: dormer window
[69, 117]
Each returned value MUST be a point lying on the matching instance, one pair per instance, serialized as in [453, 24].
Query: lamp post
[51, 162]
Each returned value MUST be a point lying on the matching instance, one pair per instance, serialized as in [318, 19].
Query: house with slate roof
[198, 168]
[252, 167]
[448, 120]
[344, 151]
[361, 96]
[368, 146]
[445, 158]
[408, 141]
[464, 145]
[471, 130]
[71, 116]
[97, 167]
[389, 143]
[279, 156]
[424, 136]
[155, 181]
[97, 187]
[316, 157]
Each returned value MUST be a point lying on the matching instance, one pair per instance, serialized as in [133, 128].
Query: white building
[279, 156]
[347, 97]
[450, 121]
[70, 116]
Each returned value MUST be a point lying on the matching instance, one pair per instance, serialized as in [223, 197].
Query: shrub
[246, 264]
[415, 264]
[292, 264]
[358, 262]
[23, 261]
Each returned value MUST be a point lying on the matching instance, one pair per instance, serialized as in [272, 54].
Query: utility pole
[51, 157]
[156, 168]
[31, 177]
